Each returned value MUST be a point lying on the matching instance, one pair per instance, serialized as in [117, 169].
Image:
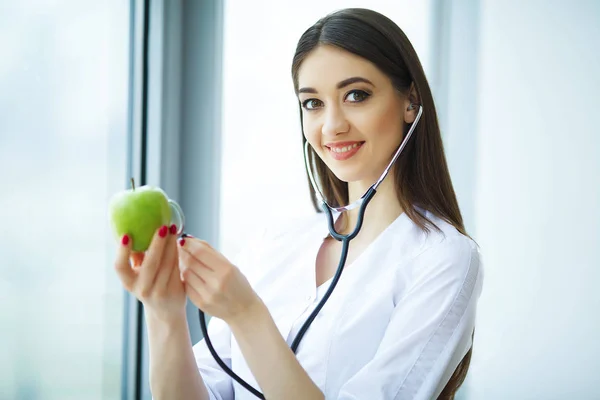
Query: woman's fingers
[152, 260]
[193, 287]
[202, 252]
[168, 261]
[122, 265]
[190, 263]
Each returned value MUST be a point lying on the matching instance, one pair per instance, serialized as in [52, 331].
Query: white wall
[536, 197]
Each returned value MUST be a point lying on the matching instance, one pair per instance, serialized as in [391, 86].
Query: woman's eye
[311, 104]
[356, 96]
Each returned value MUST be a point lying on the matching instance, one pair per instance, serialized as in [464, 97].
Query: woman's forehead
[326, 66]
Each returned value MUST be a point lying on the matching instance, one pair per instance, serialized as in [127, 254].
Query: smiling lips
[343, 150]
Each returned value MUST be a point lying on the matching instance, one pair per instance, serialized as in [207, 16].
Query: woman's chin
[350, 176]
[353, 173]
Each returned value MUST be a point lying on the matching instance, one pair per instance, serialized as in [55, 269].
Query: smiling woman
[353, 138]
[398, 322]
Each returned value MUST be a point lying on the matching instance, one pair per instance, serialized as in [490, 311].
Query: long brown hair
[421, 173]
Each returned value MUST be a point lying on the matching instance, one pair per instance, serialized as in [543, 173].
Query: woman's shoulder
[446, 245]
[442, 232]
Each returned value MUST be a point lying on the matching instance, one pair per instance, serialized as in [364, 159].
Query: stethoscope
[345, 239]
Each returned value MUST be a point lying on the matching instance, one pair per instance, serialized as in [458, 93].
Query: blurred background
[196, 96]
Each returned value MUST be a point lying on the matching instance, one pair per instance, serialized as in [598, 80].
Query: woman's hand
[153, 277]
[214, 284]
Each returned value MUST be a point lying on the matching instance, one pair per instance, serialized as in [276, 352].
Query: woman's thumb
[122, 265]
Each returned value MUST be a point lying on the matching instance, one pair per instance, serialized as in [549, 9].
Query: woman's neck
[381, 211]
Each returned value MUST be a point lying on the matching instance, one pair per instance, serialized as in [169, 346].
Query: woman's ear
[411, 105]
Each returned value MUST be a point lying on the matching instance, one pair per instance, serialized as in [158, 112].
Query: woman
[400, 322]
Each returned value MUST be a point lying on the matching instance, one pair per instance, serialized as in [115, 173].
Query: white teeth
[345, 148]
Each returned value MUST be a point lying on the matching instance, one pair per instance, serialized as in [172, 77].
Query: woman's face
[352, 115]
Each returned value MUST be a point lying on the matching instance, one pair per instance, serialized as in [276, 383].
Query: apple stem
[132, 184]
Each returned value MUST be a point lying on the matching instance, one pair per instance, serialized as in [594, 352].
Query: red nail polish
[181, 242]
[163, 231]
[173, 229]
[125, 240]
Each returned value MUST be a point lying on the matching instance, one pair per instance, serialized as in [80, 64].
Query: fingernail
[181, 242]
[125, 240]
[163, 231]
[173, 229]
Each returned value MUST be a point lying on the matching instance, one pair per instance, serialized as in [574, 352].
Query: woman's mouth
[345, 150]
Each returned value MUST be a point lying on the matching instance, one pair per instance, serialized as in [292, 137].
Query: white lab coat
[396, 326]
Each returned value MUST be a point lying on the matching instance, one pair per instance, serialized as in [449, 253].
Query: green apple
[138, 213]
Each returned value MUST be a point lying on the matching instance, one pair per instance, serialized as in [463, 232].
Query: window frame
[174, 137]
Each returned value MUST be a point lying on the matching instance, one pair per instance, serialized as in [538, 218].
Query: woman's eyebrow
[340, 85]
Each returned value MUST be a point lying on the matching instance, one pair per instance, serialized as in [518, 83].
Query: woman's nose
[335, 122]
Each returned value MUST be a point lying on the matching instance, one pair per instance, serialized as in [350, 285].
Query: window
[63, 152]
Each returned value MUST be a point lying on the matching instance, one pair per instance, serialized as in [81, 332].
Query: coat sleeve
[430, 329]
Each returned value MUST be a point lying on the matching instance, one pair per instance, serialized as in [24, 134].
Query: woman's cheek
[312, 133]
